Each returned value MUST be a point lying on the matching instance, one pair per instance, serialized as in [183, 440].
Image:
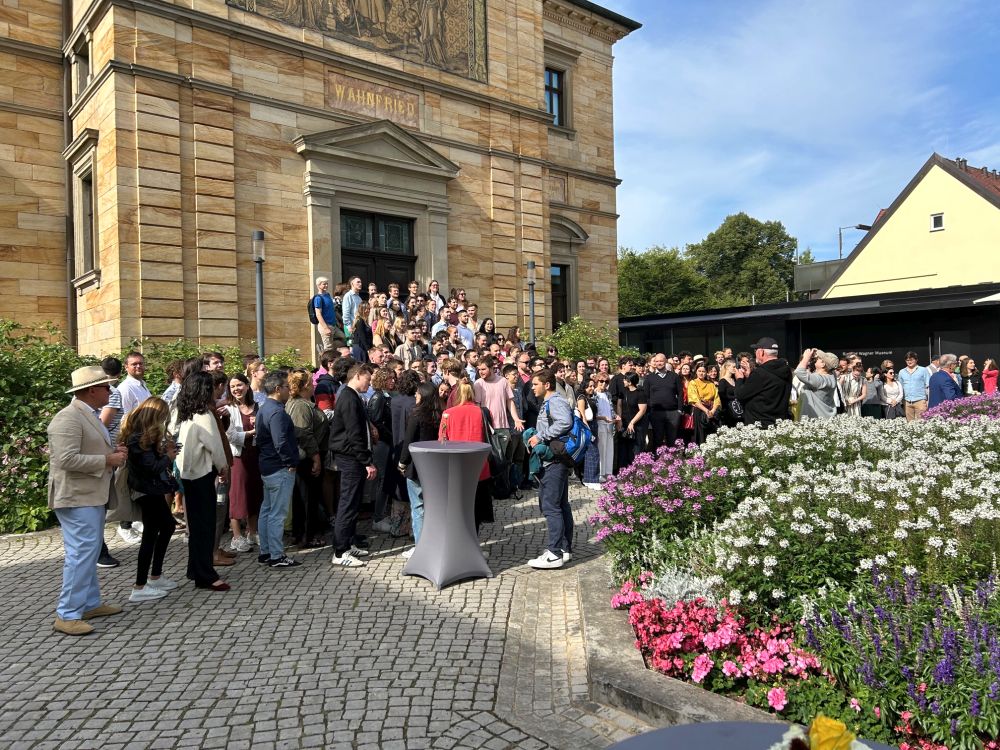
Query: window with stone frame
[82, 158]
[558, 84]
[80, 63]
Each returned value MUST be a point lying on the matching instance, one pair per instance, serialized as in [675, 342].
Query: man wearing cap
[765, 391]
[81, 461]
[816, 396]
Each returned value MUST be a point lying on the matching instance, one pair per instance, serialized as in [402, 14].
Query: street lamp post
[840, 236]
[531, 299]
[257, 243]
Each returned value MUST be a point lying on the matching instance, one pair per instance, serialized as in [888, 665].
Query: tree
[659, 280]
[746, 259]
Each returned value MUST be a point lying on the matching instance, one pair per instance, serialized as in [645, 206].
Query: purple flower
[974, 704]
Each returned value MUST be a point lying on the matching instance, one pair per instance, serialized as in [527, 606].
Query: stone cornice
[115, 66]
[27, 49]
[22, 109]
[294, 47]
[573, 17]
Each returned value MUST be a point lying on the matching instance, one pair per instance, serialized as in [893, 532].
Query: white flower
[777, 594]
[909, 570]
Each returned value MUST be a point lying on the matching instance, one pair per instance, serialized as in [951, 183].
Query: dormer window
[937, 222]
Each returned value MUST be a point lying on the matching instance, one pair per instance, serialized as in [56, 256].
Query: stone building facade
[144, 141]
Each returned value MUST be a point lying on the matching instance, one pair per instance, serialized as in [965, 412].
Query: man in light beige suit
[81, 462]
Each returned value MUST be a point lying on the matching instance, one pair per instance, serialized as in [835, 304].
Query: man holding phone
[765, 391]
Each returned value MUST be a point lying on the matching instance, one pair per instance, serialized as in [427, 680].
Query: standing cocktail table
[448, 549]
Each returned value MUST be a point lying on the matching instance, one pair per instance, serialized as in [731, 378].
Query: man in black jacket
[665, 398]
[351, 443]
[766, 390]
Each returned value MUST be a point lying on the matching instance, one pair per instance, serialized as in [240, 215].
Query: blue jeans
[83, 535]
[553, 500]
[271, 522]
[416, 493]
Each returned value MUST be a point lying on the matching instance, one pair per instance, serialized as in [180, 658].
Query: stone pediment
[382, 143]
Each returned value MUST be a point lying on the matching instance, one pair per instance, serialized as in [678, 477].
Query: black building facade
[929, 322]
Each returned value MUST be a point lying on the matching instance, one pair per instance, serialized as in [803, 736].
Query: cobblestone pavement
[309, 657]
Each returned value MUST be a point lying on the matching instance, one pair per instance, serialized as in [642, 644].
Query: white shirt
[133, 392]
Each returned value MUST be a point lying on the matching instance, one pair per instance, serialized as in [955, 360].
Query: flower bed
[966, 409]
[779, 531]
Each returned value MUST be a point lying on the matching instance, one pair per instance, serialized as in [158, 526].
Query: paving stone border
[618, 676]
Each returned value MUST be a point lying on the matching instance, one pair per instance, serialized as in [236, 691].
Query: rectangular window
[87, 241]
[376, 233]
[555, 95]
[937, 222]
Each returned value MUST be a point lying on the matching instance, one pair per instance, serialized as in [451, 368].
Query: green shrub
[35, 370]
[579, 339]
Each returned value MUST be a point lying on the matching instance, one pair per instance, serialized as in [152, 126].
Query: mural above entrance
[445, 34]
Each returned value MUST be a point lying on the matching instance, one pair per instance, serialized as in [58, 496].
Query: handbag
[498, 455]
[687, 422]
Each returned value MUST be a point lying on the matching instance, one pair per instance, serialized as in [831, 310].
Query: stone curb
[618, 676]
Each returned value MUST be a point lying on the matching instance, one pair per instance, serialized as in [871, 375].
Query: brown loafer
[72, 627]
[226, 553]
[102, 610]
[223, 561]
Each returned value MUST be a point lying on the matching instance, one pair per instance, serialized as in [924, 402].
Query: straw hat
[86, 377]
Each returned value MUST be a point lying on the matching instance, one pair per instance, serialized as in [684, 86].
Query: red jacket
[465, 423]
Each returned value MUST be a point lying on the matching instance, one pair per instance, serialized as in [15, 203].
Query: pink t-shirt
[494, 393]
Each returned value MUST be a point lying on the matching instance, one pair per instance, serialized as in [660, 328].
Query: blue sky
[815, 114]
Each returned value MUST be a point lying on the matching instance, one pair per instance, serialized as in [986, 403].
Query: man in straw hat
[81, 461]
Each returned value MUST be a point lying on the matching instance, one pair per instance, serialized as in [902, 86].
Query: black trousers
[199, 500]
[352, 487]
[663, 424]
[157, 527]
[309, 519]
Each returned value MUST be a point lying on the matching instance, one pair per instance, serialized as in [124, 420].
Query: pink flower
[702, 666]
[729, 668]
[777, 699]
[878, 712]
[855, 705]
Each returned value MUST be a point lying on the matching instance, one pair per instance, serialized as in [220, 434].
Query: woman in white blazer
[201, 459]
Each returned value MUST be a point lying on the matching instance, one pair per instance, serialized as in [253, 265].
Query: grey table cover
[719, 735]
[448, 549]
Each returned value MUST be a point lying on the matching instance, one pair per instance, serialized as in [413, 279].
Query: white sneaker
[164, 584]
[240, 544]
[567, 557]
[129, 536]
[358, 552]
[348, 560]
[146, 594]
[406, 554]
[546, 561]
[137, 526]
[254, 539]
[382, 527]
[592, 485]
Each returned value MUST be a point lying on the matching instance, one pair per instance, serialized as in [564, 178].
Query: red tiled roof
[987, 178]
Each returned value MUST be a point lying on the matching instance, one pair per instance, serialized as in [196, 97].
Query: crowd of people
[257, 459]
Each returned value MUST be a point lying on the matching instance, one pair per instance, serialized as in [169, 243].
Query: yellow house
[943, 230]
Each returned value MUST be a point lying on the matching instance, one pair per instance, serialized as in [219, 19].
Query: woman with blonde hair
[465, 422]
[382, 328]
[150, 476]
[361, 334]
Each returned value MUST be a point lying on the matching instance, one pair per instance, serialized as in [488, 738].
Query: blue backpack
[572, 446]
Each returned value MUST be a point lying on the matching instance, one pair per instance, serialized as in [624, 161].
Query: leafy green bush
[35, 370]
[579, 339]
